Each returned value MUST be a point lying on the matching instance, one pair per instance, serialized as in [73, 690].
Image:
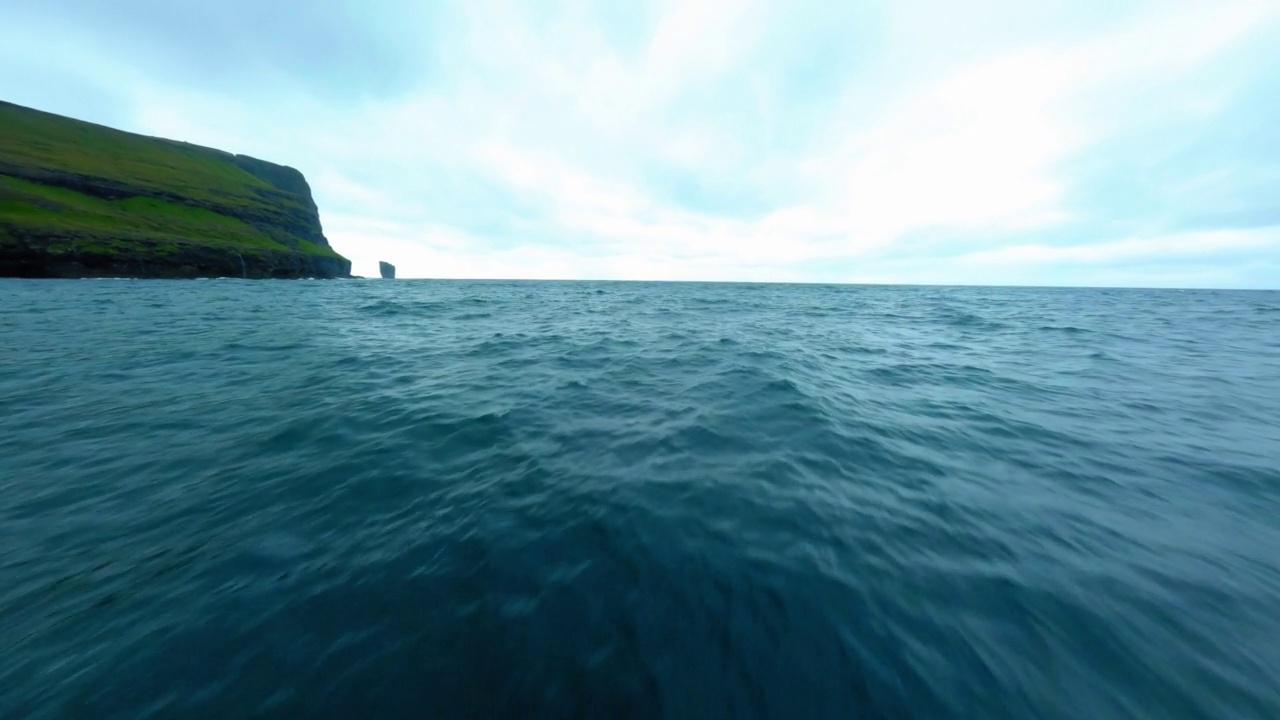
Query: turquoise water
[474, 499]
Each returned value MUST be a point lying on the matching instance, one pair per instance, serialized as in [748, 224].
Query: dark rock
[39, 260]
[388, 270]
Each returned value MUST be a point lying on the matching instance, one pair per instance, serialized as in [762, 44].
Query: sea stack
[387, 269]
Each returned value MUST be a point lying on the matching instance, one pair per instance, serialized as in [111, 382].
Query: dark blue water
[448, 499]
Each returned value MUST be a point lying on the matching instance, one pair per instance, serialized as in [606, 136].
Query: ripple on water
[234, 499]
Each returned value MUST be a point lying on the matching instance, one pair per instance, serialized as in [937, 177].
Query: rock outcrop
[387, 270]
[82, 200]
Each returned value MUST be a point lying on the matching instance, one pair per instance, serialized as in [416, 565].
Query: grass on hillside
[89, 223]
[178, 194]
[33, 139]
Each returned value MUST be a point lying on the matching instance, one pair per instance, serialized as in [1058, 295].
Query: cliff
[82, 200]
[387, 270]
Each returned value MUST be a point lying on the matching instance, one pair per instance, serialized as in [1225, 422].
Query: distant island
[387, 270]
[83, 200]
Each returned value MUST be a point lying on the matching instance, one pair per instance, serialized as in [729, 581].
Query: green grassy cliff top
[69, 188]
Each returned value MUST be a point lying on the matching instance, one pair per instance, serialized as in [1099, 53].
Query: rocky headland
[83, 200]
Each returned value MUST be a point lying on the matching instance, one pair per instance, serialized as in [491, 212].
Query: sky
[996, 142]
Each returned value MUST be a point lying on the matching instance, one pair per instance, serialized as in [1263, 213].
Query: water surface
[468, 499]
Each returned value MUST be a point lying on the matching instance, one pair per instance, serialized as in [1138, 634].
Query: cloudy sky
[1075, 142]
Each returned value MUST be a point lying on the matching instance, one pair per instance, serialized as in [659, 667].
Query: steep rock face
[78, 199]
[387, 270]
[306, 224]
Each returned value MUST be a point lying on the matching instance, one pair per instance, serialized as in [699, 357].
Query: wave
[540, 499]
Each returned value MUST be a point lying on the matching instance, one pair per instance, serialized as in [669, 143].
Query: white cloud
[1131, 250]
[541, 148]
[979, 149]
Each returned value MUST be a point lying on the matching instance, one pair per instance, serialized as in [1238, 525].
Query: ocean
[346, 499]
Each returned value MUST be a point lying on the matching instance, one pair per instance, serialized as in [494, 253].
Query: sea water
[568, 499]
